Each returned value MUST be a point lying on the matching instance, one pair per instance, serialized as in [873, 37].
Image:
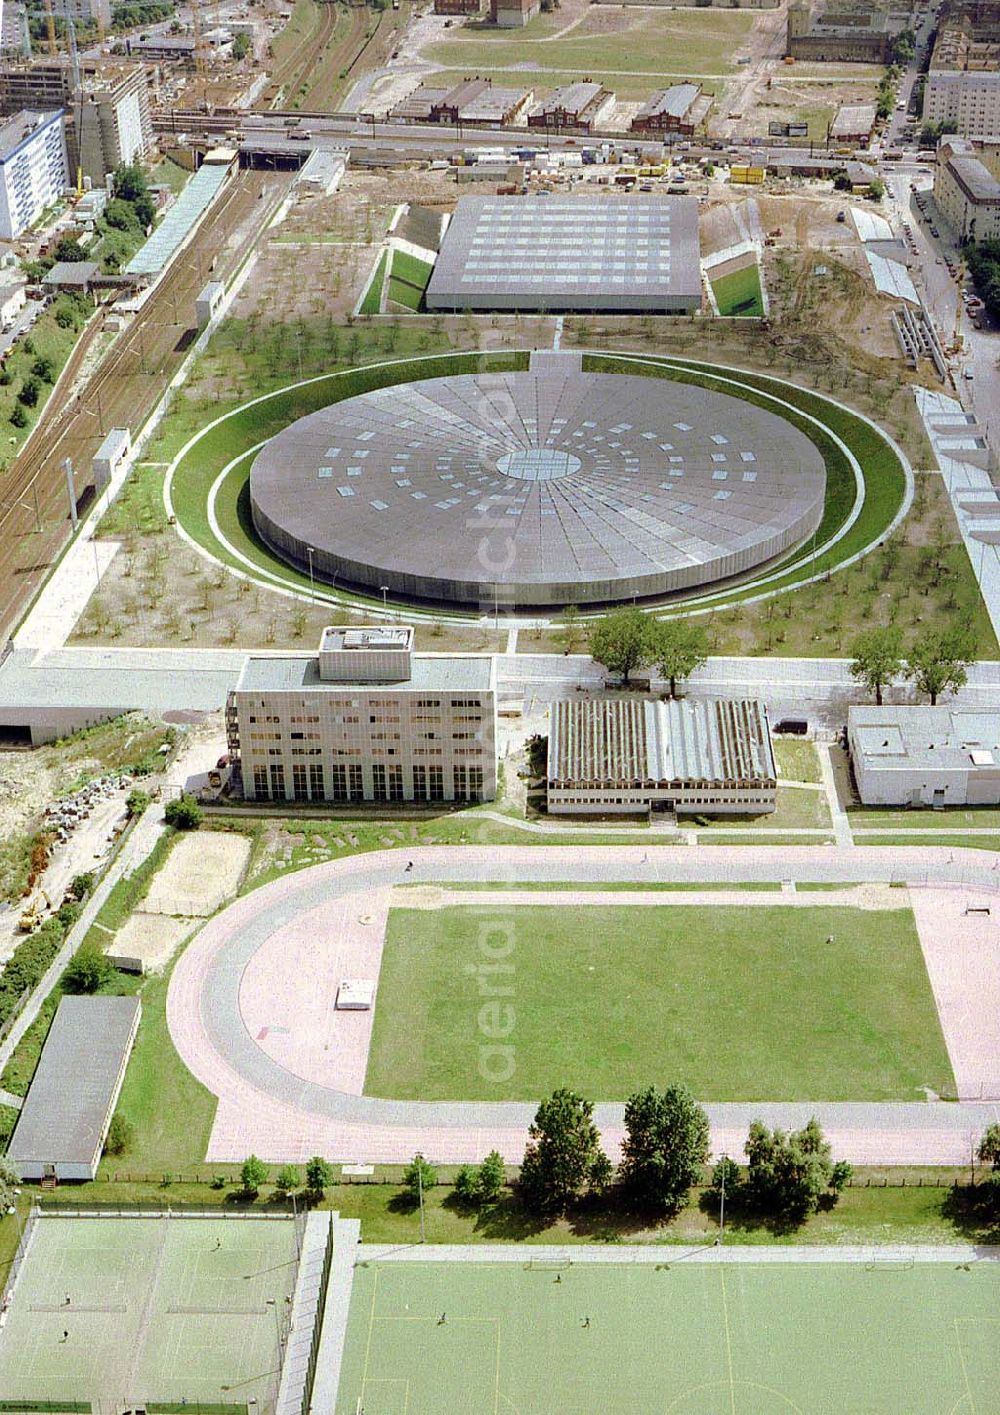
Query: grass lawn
[798, 808]
[980, 818]
[372, 302]
[408, 279]
[605, 1000]
[653, 42]
[739, 293]
[947, 842]
[739, 1338]
[797, 761]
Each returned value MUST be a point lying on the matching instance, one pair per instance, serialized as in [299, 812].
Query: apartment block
[365, 719]
[33, 169]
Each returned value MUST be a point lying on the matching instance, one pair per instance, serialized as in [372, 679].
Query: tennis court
[128, 1311]
[733, 1338]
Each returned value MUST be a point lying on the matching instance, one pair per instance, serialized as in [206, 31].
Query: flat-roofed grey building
[625, 756]
[365, 719]
[635, 252]
[925, 756]
[61, 1130]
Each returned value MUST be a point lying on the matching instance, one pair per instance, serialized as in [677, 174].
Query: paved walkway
[267, 1109]
[841, 825]
[9, 1098]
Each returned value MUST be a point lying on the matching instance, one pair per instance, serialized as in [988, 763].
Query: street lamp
[385, 591]
[722, 1198]
[310, 551]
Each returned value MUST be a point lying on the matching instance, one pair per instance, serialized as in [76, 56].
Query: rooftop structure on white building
[365, 719]
[631, 755]
[925, 756]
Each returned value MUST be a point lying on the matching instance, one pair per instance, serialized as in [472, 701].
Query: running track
[268, 1109]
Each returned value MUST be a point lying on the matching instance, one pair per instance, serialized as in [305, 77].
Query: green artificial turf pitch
[689, 1339]
[738, 293]
[157, 1312]
[739, 1003]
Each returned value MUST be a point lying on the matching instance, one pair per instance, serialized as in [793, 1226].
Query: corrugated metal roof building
[64, 1123]
[630, 755]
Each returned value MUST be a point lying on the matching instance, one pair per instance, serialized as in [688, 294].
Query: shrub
[18, 417]
[88, 972]
[136, 802]
[81, 885]
[121, 1133]
[183, 813]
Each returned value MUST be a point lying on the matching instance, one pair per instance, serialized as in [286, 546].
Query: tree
[44, 368]
[129, 181]
[29, 392]
[66, 248]
[490, 1178]
[121, 1133]
[183, 813]
[18, 417]
[876, 189]
[319, 1174]
[419, 1176]
[253, 1173]
[136, 802]
[791, 1173]
[878, 658]
[989, 1147]
[563, 1150]
[665, 1146]
[241, 47]
[620, 641]
[10, 1181]
[938, 659]
[287, 1178]
[465, 1183]
[570, 631]
[88, 972]
[678, 646]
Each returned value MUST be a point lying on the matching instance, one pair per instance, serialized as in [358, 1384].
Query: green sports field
[160, 1310]
[738, 293]
[740, 1003]
[689, 1339]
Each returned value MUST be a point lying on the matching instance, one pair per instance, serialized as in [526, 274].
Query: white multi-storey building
[968, 98]
[33, 169]
[365, 719]
[966, 191]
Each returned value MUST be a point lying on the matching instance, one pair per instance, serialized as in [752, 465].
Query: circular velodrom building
[537, 489]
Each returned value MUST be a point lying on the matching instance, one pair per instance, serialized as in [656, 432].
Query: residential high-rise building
[33, 169]
[107, 116]
[963, 82]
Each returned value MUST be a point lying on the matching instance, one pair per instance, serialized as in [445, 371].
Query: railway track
[122, 392]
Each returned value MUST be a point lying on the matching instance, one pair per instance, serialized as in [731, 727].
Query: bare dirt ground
[200, 873]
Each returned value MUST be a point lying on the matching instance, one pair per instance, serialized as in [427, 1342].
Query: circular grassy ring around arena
[869, 481]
